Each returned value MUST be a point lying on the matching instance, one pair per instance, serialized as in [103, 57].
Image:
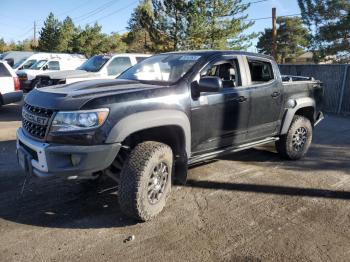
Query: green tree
[25, 45]
[218, 24]
[3, 45]
[292, 39]
[116, 43]
[67, 33]
[91, 41]
[49, 36]
[329, 22]
[138, 37]
[169, 26]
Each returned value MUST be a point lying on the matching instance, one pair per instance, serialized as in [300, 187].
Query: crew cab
[45, 62]
[9, 85]
[97, 67]
[166, 113]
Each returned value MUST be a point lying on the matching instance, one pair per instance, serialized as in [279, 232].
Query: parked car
[27, 62]
[162, 115]
[9, 85]
[47, 62]
[97, 67]
[12, 57]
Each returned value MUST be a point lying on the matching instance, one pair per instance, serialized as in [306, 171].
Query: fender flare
[150, 119]
[290, 112]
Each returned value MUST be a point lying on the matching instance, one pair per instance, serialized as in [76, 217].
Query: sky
[17, 16]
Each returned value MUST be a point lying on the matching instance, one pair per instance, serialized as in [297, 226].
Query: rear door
[265, 89]
[220, 119]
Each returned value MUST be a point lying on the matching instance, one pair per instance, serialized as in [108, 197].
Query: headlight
[79, 120]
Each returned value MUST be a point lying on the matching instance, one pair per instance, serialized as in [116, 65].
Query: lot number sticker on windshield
[190, 58]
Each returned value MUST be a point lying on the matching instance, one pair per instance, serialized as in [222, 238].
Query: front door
[220, 119]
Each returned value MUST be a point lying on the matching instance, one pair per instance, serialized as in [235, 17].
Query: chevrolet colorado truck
[170, 111]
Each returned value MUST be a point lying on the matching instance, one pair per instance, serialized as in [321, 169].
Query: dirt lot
[250, 206]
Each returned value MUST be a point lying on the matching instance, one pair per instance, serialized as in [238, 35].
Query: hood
[31, 74]
[74, 96]
[70, 74]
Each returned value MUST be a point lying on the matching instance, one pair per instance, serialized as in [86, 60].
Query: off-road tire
[285, 146]
[135, 176]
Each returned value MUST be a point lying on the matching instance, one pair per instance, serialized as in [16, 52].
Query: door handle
[241, 99]
[275, 94]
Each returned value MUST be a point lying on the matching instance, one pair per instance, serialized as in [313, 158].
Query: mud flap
[181, 167]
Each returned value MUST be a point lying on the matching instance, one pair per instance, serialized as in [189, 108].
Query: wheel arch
[303, 107]
[162, 123]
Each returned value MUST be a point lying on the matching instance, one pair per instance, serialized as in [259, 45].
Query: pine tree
[218, 24]
[91, 41]
[138, 37]
[170, 22]
[292, 39]
[329, 20]
[67, 33]
[49, 36]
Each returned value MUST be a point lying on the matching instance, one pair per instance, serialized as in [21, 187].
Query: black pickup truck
[164, 114]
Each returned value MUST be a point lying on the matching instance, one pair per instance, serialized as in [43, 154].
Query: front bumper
[11, 97]
[44, 160]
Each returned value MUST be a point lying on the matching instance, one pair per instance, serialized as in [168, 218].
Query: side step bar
[228, 150]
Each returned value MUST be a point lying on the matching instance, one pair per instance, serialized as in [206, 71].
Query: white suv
[97, 67]
[9, 85]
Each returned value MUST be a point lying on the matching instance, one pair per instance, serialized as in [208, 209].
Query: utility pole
[274, 33]
[34, 35]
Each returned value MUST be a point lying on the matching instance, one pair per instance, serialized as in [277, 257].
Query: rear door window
[140, 59]
[118, 65]
[4, 72]
[260, 71]
[53, 65]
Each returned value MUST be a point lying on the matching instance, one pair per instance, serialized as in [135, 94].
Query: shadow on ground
[59, 203]
[11, 112]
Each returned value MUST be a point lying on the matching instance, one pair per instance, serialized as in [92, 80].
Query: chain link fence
[336, 79]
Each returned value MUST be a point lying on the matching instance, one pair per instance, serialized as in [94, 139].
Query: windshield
[165, 68]
[38, 65]
[95, 63]
[18, 63]
[26, 65]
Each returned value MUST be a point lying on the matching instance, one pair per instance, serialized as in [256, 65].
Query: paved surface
[249, 206]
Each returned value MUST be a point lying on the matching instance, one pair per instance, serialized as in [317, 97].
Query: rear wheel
[295, 144]
[145, 180]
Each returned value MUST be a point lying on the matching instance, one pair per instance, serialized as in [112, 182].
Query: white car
[97, 67]
[46, 62]
[9, 85]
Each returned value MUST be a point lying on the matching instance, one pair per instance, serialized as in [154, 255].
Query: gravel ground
[249, 206]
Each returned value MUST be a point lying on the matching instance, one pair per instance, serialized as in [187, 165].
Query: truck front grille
[31, 125]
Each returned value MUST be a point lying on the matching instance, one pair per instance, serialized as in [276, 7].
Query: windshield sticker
[190, 58]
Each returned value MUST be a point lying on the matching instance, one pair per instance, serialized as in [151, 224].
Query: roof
[222, 52]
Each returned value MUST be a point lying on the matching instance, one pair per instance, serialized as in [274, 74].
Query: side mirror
[45, 67]
[209, 84]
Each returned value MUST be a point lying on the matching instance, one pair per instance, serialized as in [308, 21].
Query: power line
[74, 8]
[112, 13]
[256, 2]
[95, 11]
[270, 17]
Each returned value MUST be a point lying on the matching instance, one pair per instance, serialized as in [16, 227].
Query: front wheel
[295, 144]
[145, 180]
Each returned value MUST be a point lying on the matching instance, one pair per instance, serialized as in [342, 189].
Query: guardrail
[336, 79]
